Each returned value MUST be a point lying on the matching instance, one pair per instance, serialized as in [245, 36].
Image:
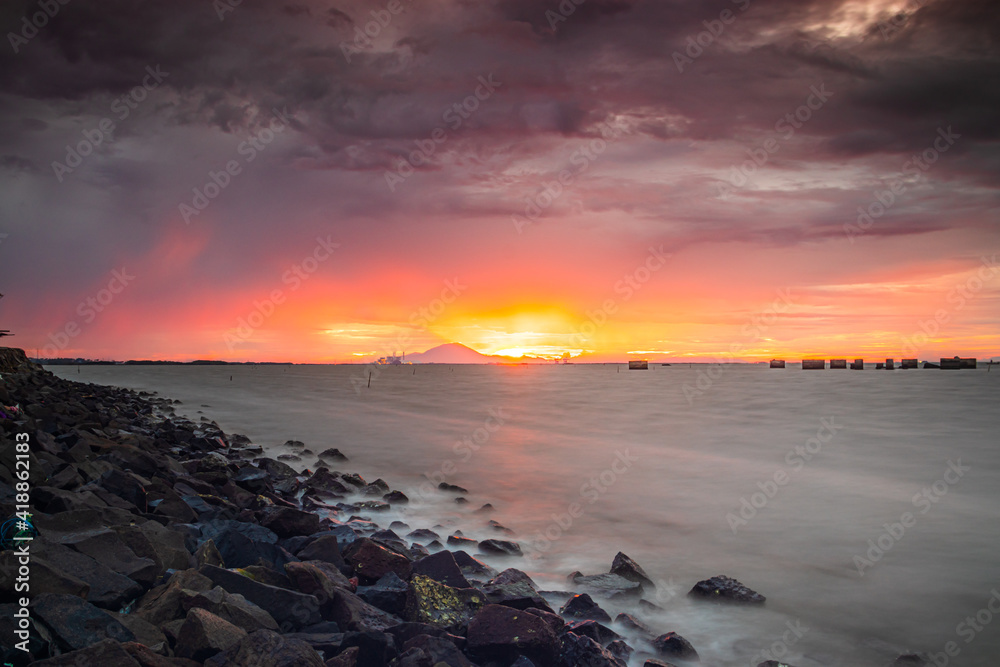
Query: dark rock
[108, 589]
[423, 535]
[354, 479]
[288, 522]
[346, 658]
[601, 634]
[352, 613]
[265, 648]
[332, 454]
[485, 509]
[238, 549]
[500, 547]
[576, 651]
[440, 605]
[431, 651]
[388, 593]
[297, 609]
[672, 645]
[265, 575]
[473, 568]
[553, 620]
[620, 650]
[627, 568]
[325, 548]
[107, 548]
[165, 602]
[229, 607]
[396, 497]
[404, 632]
[208, 554]
[500, 528]
[500, 634]
[460, 541]
[45, 578]
[374, 648]
[634, 624]
[453, 488]
[276, 470]
[145, 632]
[325, 481]
[75, 622]
[583, 606]
[253, 479]
[108, 653]
[371, 561]
[443, 568]
[725, 589]
[652, 662]
[204, 634]
[126, 486]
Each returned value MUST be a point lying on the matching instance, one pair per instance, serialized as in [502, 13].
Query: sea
[865, 505]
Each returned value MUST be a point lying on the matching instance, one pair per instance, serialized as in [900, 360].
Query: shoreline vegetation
[161, 541]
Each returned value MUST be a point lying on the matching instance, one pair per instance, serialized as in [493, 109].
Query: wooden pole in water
[369, 378]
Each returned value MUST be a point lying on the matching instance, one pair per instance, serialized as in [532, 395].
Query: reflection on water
[776, 477]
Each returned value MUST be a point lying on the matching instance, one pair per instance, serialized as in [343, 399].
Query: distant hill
[451, 353]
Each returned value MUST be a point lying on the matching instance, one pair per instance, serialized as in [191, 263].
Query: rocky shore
[163, 541]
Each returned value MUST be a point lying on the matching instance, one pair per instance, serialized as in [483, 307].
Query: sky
[326, 181]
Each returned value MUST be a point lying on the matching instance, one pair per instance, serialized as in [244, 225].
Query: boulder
[371, 561]
[672, 645]
[106, 547]
[325, 548]
[332, 454]
[204, 634]
[165, 602]
[500, 634]
[288, 522]
[725, 589]
[108, 589]
[500, 548]
[473, 568]
[601, 634]
[627, 568]
[443, 568]
[582, 606]
[75, 622]
[620, 650]
[208, 554]
[440, 605]
[229, 607]
[352, 613]
[575, 650]
[430, 651]
[285, 606]
[388, 593]
[145, 632]
[265, 648]
[127, 486]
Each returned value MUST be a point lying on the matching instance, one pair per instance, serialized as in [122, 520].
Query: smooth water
[832, 456]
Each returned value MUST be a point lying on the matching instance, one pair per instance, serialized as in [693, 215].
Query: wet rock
[238, 549]
[552, 619]
[500, 528]
[253, 479]
[106, 547]
[582, 606]
[635, 625]
[208, 554]
[289, 522]
[288, 457]
[576, 650]
[204, 634]
[107, 653]
[229, 607]
[396, 497]
[376, 488]
[265, 648]
[725, 589]
[388, 593]
[164, 602]
[265, 575]
[500, 548]
[430, 651]
[601, 634]
[462, 541]
[351, 613]
[346, 658]
[500, 634]
[108, 589]
[332, 454]
[145, 632]
[451, 488]
[325, 481]
[297, 609]
[485, 509]
[608, 586]
[652, 662]
[423, 534]
[325, 548]
[620, 650]
[443, 568]
[75, 622]
[473, 568]
[276, 470]
[440, 605]
[317, 578]
[354, 479]
[371, 561]
[126, 486]
[672, 645]
[374, 648]
[627, 568]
